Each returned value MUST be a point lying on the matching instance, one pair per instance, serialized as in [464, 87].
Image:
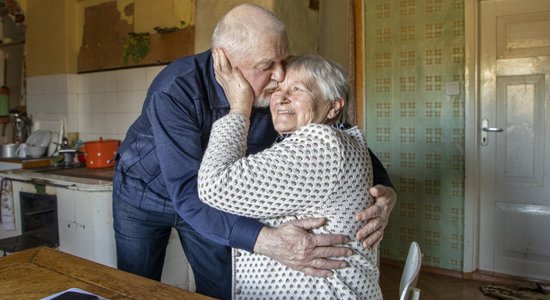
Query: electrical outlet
[452, 88]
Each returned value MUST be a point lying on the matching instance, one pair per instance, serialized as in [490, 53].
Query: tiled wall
[415, 48]
[100, 104]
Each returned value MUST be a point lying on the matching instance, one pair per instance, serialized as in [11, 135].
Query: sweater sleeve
[179, 151]
[292, 177]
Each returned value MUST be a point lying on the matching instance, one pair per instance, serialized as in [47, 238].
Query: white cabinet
[86, 225]
[176, 270]
[86, 230]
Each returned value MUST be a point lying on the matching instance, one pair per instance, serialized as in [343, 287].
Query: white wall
[99, 104]
[102, 104]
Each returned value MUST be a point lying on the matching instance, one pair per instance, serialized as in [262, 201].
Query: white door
[514, 77]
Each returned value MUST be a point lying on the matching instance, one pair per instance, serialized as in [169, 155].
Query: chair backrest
[411, 271]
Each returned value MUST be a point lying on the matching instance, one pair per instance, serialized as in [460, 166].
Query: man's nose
[278, 73]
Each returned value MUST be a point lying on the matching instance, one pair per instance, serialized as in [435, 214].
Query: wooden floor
[432, 286]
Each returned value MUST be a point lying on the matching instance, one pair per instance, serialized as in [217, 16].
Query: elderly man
[155, 182]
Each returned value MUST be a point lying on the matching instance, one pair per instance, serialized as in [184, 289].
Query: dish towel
[6, 206]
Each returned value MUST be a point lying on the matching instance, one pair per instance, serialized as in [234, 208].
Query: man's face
[264, 68]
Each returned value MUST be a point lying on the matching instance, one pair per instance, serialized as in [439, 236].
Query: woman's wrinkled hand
[237, 90]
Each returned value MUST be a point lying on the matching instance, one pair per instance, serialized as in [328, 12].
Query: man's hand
[238, 91]
[292, 245]
[376, 216]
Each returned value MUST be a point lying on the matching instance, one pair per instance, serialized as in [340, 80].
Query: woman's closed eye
[294, 89]
[300, 89]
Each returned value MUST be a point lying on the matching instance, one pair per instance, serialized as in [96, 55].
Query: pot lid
[101, 140]
[67, 151]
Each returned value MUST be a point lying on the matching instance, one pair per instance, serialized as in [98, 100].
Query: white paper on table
[73, 290]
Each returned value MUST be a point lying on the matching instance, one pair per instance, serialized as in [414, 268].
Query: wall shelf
[14, 43]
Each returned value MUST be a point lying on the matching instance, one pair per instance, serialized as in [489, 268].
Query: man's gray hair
[329, 77]
[238, 30]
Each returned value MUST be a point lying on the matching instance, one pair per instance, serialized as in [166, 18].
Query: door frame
[359, 65]
[472, 188]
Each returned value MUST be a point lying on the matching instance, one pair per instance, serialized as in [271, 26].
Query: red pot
[101, 154]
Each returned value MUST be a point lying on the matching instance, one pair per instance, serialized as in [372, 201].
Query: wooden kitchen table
[41, 272]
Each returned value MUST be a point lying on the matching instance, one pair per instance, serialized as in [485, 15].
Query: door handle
[492, 129]
[485, 129]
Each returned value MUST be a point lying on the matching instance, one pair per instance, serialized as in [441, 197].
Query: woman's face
[296, 103]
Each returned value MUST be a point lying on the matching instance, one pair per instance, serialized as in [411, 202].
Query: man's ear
[336, 108]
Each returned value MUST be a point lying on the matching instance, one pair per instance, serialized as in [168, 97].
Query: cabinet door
[176, 270]
[77, 239]
[87, 220]
[66, 205]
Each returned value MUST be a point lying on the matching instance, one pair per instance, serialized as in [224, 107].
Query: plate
[52, 149]
[39, 138]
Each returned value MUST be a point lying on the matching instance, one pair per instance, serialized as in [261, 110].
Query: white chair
[407, 286]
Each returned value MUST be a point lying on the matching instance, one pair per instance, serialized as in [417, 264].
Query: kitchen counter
[26, 163]
[40, 272]
[105, 174]
[79, 178]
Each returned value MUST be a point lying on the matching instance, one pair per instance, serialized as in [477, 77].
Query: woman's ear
[336, 108]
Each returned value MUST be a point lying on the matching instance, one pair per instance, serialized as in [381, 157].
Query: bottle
[4, 101]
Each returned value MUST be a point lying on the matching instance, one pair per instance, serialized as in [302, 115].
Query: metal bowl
[37, 151]
[8, 150]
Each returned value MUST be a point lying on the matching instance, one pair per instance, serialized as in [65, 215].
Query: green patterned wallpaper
[414, 53]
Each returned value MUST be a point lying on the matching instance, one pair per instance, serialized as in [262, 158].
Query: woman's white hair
[237, 32]
[326, 76]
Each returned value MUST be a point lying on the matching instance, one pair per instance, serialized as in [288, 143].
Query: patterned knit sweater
[318, 171]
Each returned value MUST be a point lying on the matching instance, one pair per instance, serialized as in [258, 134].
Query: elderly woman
[318, 169]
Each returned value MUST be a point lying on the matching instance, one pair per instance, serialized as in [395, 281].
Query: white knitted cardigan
[317, 171]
